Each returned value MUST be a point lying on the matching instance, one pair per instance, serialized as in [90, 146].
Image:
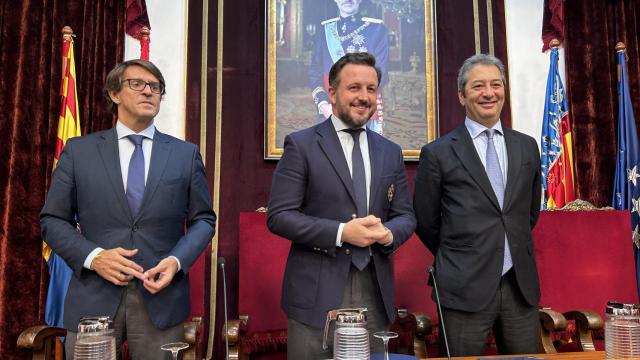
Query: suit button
[347, 251]
[135, 228]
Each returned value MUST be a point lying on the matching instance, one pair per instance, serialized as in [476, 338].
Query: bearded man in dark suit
[340, 195]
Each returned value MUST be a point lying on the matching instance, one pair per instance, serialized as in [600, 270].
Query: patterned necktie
[135, 178]
[360, 256]
[494, 172]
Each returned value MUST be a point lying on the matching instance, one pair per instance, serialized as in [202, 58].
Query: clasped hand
[365, 231]
[115, 266]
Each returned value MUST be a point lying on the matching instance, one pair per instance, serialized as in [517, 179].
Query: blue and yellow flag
[556, 143]
[626, 185]
[68, 127]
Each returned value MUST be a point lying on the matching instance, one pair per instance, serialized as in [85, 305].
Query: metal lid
[94, 324]
[351, 315]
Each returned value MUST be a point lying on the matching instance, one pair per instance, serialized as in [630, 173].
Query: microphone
[431, 272]
[224, 292]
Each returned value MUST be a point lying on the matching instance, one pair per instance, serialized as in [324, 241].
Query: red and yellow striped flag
[69, 120]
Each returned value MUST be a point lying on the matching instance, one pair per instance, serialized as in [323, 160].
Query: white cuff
[339, 235]
[178, 261]
[90, 257]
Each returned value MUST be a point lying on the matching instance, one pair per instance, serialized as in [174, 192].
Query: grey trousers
[514, 323]
[305, 342]
[132, 323]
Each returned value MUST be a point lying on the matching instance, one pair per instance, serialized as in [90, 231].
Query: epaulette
[330, 20]
[372, 20]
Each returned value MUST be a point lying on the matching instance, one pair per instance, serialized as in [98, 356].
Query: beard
[358, 121]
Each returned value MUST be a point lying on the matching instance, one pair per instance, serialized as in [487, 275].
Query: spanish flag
[68, 127]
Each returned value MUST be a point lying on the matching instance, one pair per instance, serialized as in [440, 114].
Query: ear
[332, 95]
[115, 96]
[461, 97]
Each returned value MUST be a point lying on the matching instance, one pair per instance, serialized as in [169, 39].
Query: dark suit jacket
[311, 194]
[86, 188]
[460, 220]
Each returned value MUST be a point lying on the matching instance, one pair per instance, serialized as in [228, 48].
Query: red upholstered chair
[585, 258]
[261, 332]
[262, 260]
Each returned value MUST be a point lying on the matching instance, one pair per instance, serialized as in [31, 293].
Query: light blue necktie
[135, 178]
[360, 257]
[497, 183]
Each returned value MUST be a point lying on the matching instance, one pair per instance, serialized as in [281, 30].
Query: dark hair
[115, 78]
[479, 59]
[362, 58]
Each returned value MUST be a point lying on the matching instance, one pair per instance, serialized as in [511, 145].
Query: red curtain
[30, 73]
[593, 27]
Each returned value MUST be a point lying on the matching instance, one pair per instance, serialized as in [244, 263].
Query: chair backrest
[262, 259]
[585, 258]
[410, 265]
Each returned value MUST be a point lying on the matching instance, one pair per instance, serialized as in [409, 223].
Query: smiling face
[483, 94]
[136, 109]
[353, 99]
[348, 7]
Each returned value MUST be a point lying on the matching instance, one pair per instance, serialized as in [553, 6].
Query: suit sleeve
[285, 216]
[427, 200]
[201, 220]
[537, 185]
[58, 222]
[401, 220]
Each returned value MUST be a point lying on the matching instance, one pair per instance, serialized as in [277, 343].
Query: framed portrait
[305, 37]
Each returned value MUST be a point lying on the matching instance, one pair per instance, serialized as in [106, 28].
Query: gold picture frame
[408, 104]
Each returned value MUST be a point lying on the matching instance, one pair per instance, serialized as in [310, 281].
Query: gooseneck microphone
[224, 293]
[431, 272]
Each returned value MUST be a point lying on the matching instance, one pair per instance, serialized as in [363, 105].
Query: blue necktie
[135, 178]
[497, 183]
[360, 256]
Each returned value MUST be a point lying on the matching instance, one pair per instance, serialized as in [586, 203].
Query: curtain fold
[593, 27]
[30, 73]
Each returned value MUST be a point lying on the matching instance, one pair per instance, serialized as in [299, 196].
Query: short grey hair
[479, 59]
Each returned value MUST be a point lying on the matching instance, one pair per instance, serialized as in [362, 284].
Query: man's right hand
[364, 231]
[114, 266]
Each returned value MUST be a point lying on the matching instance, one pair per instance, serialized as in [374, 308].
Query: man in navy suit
[340, 195]
[116, 212]
[477, 199]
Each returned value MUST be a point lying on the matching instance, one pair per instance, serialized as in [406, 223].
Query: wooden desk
[587, 355]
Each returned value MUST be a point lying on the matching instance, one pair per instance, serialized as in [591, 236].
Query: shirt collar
[123, 131]
[339, 125]
[475, 128]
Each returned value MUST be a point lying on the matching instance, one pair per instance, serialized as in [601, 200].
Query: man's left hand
[160, 276]
[388, 237]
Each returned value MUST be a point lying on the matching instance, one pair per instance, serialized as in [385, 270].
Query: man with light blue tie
[116, 212]
[477, 199]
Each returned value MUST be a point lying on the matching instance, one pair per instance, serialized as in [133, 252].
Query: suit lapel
[330, 145]
[515, 161]
[159, 159]
[110, 155]
[466, 152]
[376, 158]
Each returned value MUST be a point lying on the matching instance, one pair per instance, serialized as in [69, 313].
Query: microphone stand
[431, 271]
[226, 320]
